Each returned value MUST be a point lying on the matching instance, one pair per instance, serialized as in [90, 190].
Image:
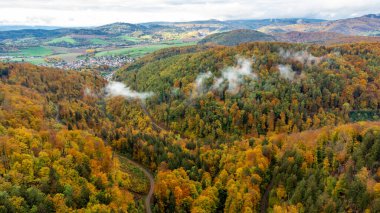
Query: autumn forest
[258, 127]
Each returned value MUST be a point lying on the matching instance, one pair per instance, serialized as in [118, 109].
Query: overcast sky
[99, 12]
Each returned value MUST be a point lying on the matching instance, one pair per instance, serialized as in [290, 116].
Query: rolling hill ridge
[236, 37]
[365, 25]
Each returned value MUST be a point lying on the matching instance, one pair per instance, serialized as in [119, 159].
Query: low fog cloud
[119, 89]
[88, 92]
[234, 76]
[199, 83]
[303, 57]
[286, 72]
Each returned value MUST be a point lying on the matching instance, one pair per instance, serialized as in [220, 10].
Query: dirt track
[147, 173]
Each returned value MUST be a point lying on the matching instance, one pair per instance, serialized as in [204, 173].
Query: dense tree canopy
[46, 165]
[280, 136]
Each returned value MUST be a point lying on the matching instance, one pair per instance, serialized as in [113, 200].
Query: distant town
[103, 63]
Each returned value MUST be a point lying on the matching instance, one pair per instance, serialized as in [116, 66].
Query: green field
[36, 61]
[69, 57]
[36, 55]
[98, 41]
[66, 39]
[34, 51]
[129, 38]
[139, 51]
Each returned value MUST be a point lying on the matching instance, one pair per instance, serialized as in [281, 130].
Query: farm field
[130, 38]
[32, 52]
[68, 57]
[37, 55]
[65, 39]
[138, 51]
[98, 41]
[35, 61]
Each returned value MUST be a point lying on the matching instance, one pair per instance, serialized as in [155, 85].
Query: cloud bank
[119, 89]
[98, 12]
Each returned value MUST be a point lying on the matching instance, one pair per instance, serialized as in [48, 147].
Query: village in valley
[105, 63]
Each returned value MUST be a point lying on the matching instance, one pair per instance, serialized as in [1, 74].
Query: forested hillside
[259, 127]
[259, 88]
[236, 37]
[51, 157]
[229, 103]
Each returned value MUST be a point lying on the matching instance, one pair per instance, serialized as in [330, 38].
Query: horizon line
[185, 21]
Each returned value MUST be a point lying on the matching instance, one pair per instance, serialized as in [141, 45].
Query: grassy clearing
[34, 55]
[58, 50]
[139, 182]
[139, 51]
[66, 39]
[32, 52]
[129, 38]
[98, 41]
[36, 51]
[68, 57]
[36, 61]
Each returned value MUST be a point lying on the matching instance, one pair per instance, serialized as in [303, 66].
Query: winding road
[148, 198]
[265, 199]
[57, 115]
[158, 127]
[155, 124]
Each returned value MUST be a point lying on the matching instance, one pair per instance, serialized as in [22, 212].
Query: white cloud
[119, 89]
[98, 12]
[286, 72]
[235, 76]
[199, 87]
[303, 57]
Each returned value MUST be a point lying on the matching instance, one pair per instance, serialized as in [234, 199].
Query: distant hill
[306, 37]
[29, 33]
[121, 28]
[372, 16]
[193, 29]
[236, 37]
[322, 38]
[116, 36]
[365, 25]
[22, 27]
[238, 24]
